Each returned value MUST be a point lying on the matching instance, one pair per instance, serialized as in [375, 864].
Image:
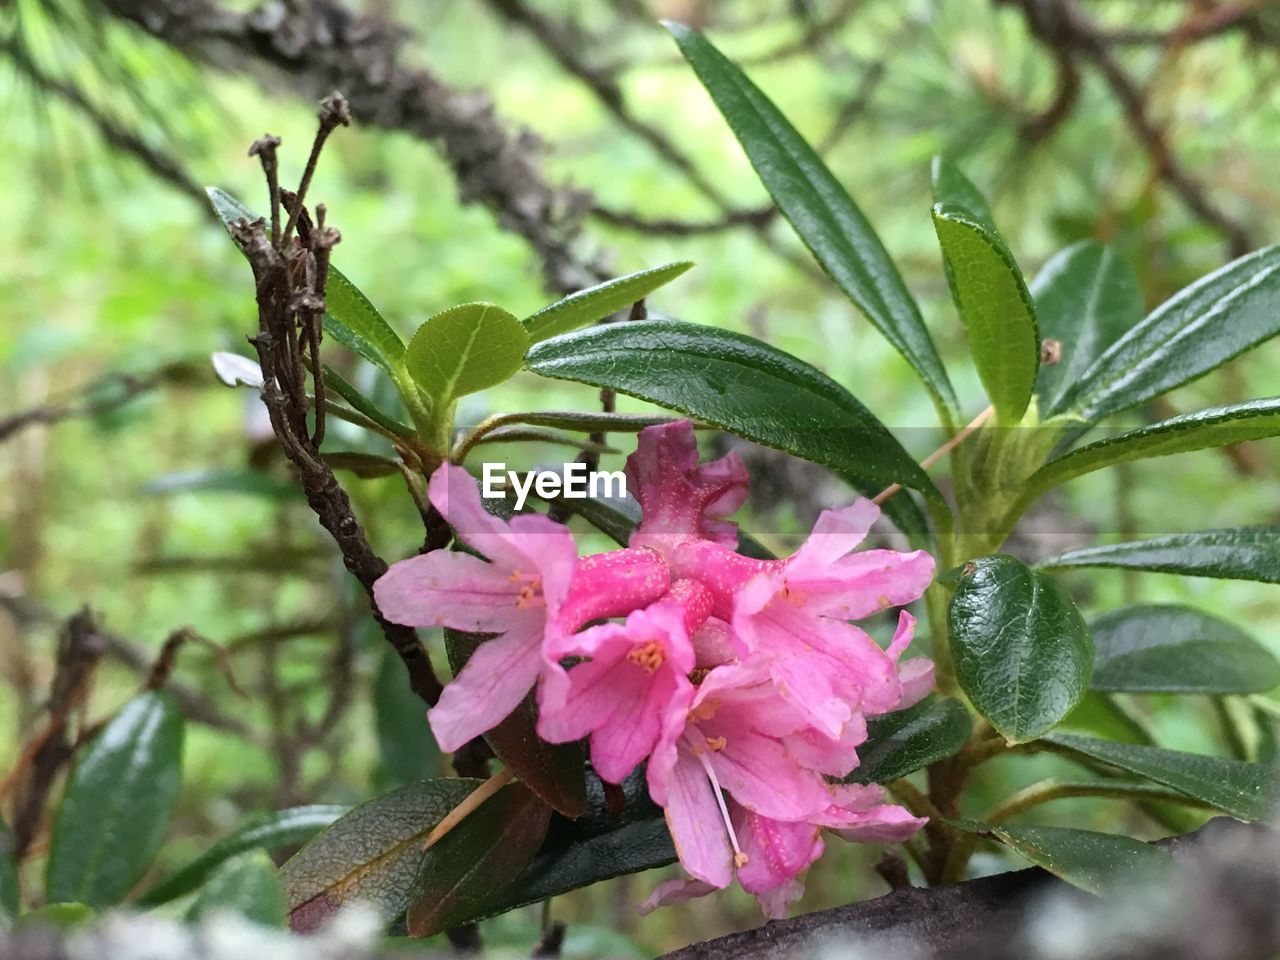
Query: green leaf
[514, 433]
[1244, 790]
[951, 186]
[366, 466]
[1096, 862]
[227, 207]
[354, 322]
[371, 854]
[253, 483]
[407, 749]
[1214, 427]
[554, 771]
[270, 831]
[995, 306]
[601, 844]
[908, 740]
[1175, 649]
[57, 916]
[819, 209]
[1086, 298]
[117, 804]
[1022, 651]
[596, 303]
[473, 863]
[1099, 714]
[1238, 553]
[362, 404]
[249, 885]
[739, 384]
[465, 349]
[1198, 329]
[10, 886]
[585, 420]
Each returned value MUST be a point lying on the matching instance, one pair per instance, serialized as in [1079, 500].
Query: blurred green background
[172, 510]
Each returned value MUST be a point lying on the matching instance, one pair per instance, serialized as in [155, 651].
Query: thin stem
[913, 799]
[973, 426]
[468, 806]
[1049, 790]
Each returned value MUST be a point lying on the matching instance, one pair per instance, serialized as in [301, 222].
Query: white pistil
[739, 858]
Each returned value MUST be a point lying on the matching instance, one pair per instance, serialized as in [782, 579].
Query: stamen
[531, 593]
[649, 656]
[797, 598]
[740, 859]
[716, 744]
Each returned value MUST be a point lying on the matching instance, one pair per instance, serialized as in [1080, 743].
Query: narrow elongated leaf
[227, 207]
[819, 209]
[1239, 553]
[371, 854]
[739, 384]
[1176, 649]
[585, 420]
[253, 483]
[554, 771]
[515, 433]
[476, 861]
[270, 831]
[407, 749]
[1214, 427]
[465, 349]
[596, 303]
[367, 466]
[908, 740]
[1096, 862]
[350, 310]
[362, 404]
[1102, 715]
[951, 186]
[1022, 651]
[249, 885]
[1086, 297]
[997, 311]
[10, 888]
[1197, 330]
[1244, 790]
[117, 804]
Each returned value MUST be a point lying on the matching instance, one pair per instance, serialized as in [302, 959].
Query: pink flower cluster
[742, 681]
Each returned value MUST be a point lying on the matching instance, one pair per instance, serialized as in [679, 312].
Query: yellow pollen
[704, 711]
[797, 598]
[740, 859]
[716, 744]
[649, 656]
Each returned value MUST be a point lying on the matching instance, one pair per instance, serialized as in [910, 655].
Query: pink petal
[830, 756]
[864, 583]
[916, 676]
[696, 825]
[836, 533]
[593, 691]
[454, 492]
[778, 852]
[447, 588]
[715, 643]
[758, 773]
[488, 688]
[613, 584]
[670, 892]
[618, 746]
[722, 571]
[549, 548]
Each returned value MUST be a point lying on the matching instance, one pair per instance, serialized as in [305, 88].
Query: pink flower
[680, 499]
[530, 585]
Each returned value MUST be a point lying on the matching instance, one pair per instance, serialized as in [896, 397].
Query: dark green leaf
[366, 466]
[117, 804]
[371, 854]
[587, 420]
[596, 303]
[1214, 427]
[908, 740]
[10, 887]
[1198, 329]
[1022, 651]
[1175, 649]
[362, 404]
[349, 311]
[1099, 714]
[822, 213]
[407, 749]
[277, 830]
[554, 771]
[227, 207]
[1086, 298]
[1244, 790]
[248, 884]
[514, 433]
[472, 864]
[1096, 862]
[1239, 553]
[465, 349]
[997, 311]
[951, 186]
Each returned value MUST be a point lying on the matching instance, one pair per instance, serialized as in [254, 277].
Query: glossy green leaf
[908, 740]
[355, 322]
[1197, 330]
[227, 207]
[603, 843]
[371, 854]
[362, 404]
[996, 308]
[465, 349]
[10, 887]
[1102, 715]
[407, 749]
[1086, 298]
[1176, 649]
[1022, 651]
[276, 830]
[739, 384]
[586, 420]
[822, 213]
[596, 303]
[555, 771]
[1244, 790]
[951, 186]
[1214, 427]
[117, 804]
[514, 433]
[472, 864]
[1238, 553]
[1096, 862]
[249, 885]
